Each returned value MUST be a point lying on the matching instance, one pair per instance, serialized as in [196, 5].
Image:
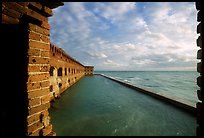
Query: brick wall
[34, 16]
[200, 110]
[64, 72]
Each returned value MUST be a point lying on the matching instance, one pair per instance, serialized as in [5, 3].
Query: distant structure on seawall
[89, 70]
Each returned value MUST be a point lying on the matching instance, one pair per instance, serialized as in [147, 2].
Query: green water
[97, 106]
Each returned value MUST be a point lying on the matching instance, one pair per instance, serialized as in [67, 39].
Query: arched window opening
[52, 71]
[65, 71]
[59, 72]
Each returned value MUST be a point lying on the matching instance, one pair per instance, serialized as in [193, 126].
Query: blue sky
[128, 35]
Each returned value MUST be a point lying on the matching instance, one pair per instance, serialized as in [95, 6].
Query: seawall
[189, 108]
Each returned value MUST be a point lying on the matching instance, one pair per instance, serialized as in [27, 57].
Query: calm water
[97, 106]
[177, 84]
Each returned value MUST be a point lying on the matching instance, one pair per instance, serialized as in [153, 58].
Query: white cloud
[160, 36]
[114, 11]
[97, 55]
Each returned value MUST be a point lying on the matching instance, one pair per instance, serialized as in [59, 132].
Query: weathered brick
[36, 5]
[47, 11]
[47, 130]
[33, 86]
[44, 38]
[52, 134]
[45, 25]
[45, 119]
[34, 68]
[38, 29]
[34, 127]
[38, 77]
[33, 52]
[39, 108]
[12, 13]
[33, 118]
[45, 99]
[44, 113]
[45, 84]
[45, 53]
[24, 4]
[44, 68]
[38, 93]
[9, 20]
[39, 37]
[36, 15]
[36, 133]
[34, 102]
[38, 60]
[16, 6]
[39, 45]
[34, 36]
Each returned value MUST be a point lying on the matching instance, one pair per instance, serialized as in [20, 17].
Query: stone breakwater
[173, 101]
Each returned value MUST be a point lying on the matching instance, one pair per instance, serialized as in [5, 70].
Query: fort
[37, 71]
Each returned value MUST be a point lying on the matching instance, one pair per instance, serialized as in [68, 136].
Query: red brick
[36, 4]
[45, 113]
[39, 108]
[39, 45]
[38, 93]
[33, 86]
[38, 60]
[36, 133]
[45, 84]
[24, 4]
[38, 29]
[45, 53]
[38, 77]
[34, 36]
[33, 118]
[45, 25]
[9, 20]
[34, 127]
[12, 13]
[35, 68]
[47, 11]
[36, 15]
[34, 102]
[52, 134]
[16, 6]
[47, 130]
[33, 52]
[44, 68]
[44, 38]
[45, 99]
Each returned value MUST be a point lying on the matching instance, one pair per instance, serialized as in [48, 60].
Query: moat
[96, 106]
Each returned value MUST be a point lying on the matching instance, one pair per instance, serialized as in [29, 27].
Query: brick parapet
[199, 105]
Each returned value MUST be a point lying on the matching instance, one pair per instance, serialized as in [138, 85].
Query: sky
[128, 36]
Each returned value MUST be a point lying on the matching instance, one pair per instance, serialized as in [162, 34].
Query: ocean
[97, 106]
[179, 85]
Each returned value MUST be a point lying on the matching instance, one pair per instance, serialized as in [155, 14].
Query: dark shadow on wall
[14, 64]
